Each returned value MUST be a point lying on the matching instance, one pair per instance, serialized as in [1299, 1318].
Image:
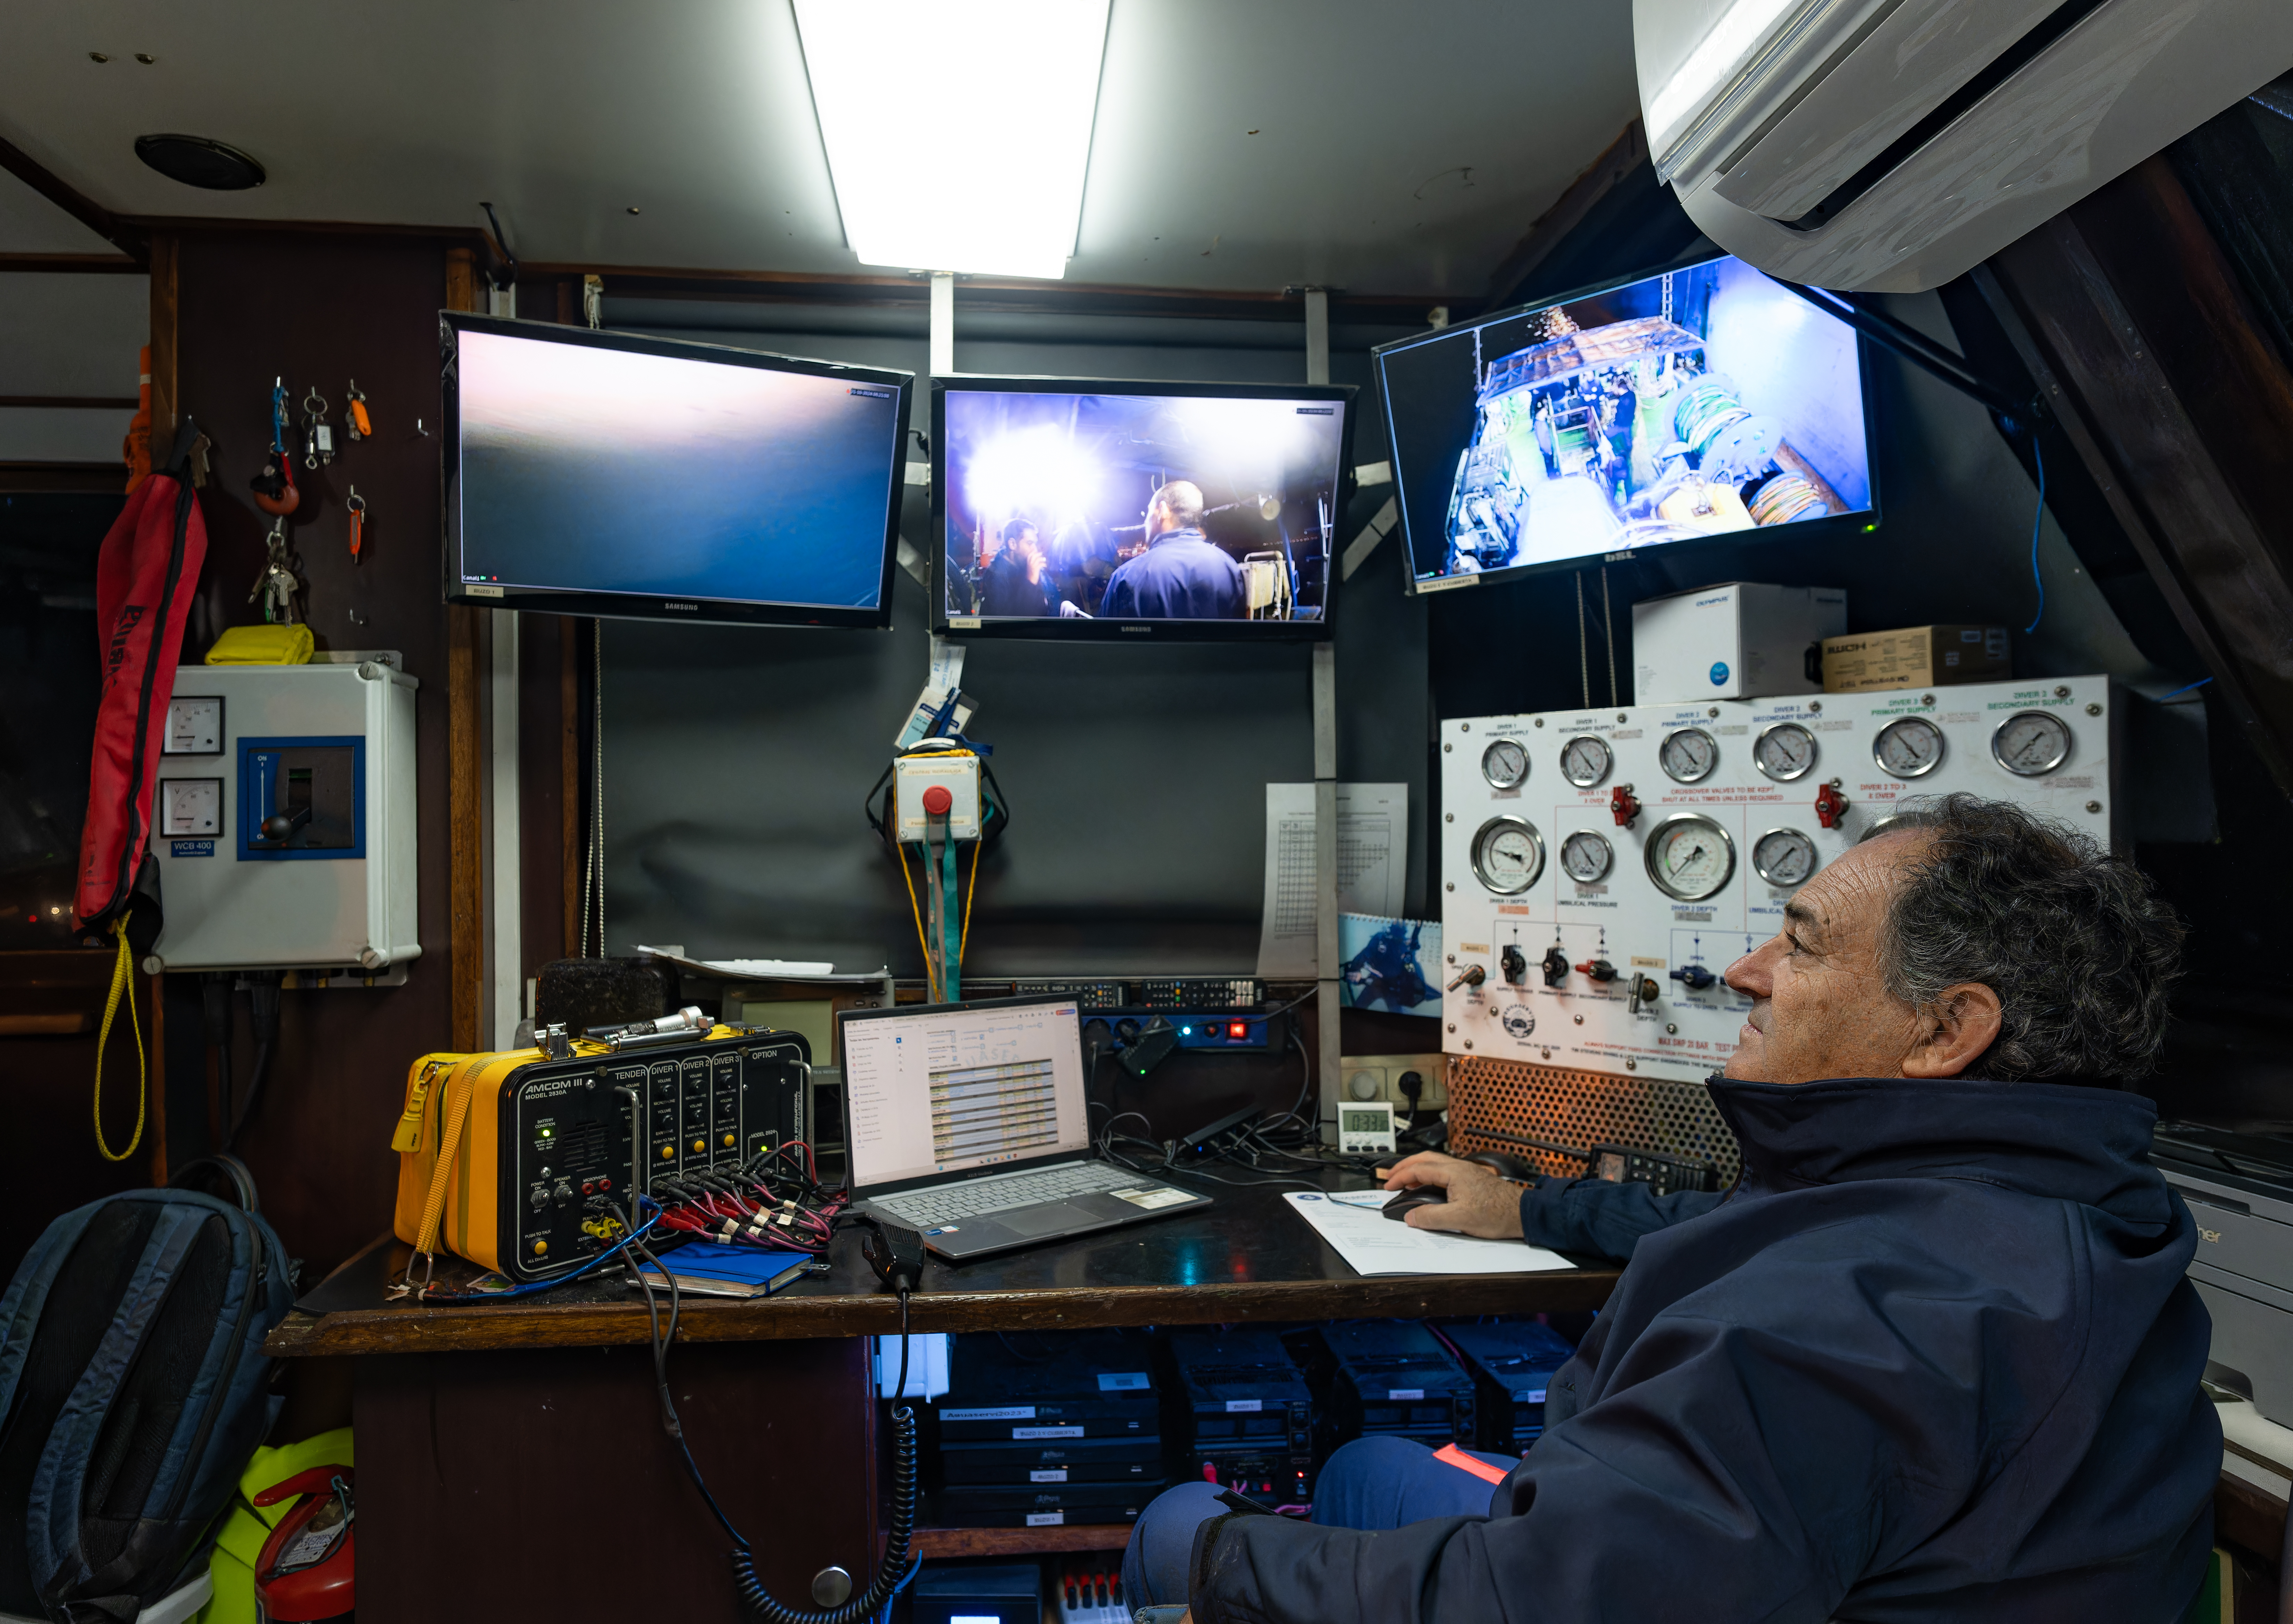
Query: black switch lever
[280, 826]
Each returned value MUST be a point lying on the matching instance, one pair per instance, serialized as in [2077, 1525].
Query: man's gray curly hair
[2074, 941]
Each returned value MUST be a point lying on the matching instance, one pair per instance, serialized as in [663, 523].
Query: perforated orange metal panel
[1567, 1107]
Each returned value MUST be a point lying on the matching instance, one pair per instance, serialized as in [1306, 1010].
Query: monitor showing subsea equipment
[668, 479]
[948, 1090]
[1676, 408]
[1068, 506]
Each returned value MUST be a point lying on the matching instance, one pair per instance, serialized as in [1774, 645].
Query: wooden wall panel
[321, 309]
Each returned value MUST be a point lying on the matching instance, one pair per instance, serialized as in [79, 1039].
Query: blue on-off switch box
[302, 799]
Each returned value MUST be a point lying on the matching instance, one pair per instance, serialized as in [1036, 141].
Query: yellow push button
[667, 1152]
[729, 1142]
[699, 1145]
[541, 1249]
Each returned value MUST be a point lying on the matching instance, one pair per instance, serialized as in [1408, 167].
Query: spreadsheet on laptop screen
[948, 1090]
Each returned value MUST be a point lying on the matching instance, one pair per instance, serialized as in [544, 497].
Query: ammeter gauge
[1586, 857]
[1909, 747]
[1505, 764]
[1687, 755]
[1585, 760]
[1783, 857]
[1690, 857]
[1784, 751]
[1508, 854]
[2031, 743]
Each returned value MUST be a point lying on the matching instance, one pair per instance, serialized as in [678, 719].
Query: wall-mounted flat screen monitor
[605, 474]
[1698, 404]
[1071, 508]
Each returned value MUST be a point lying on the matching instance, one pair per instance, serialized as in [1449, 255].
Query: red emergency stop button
[937, 800]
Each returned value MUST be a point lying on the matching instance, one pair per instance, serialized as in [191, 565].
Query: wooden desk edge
[411, 1328]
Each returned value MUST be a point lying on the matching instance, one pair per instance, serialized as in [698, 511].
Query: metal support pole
[1325, 876]
[505, 941]
[943, 323]
[1318, 336]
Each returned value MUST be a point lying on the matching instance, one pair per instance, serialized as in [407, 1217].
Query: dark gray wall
[736, 760]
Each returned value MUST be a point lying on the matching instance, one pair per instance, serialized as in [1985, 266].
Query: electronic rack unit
[1249, 1417]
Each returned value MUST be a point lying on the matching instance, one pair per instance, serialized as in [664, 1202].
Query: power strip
[1092, 1592]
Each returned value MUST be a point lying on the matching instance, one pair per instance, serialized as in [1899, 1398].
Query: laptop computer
[966, 1123]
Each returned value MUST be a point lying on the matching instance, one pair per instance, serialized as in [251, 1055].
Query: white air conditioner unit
[1890, 145]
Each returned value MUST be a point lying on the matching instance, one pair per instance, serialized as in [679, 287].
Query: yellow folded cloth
[262, 645]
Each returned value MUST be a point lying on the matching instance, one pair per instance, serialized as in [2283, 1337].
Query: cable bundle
[772, 1200]
[1784, 497]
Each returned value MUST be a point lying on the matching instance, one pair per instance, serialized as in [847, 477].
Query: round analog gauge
[1690, 857]
[1586, 857]
[1687, 755]
[1505, 764]
[1784, 751]
[2031, 743]
[1508, 854]
[1783, 857]
[1586, 760]
[1909, 747]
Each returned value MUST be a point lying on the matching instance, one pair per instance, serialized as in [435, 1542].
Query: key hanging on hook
[274, 487]
[277, 585]
[357, 505]
[361, 426]
[318, 434]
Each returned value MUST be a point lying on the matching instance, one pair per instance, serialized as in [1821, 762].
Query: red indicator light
[1238, 1028]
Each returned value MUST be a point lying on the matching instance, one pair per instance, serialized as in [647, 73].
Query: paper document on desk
[1372, 865]
[1356, 1226]
[766, 970]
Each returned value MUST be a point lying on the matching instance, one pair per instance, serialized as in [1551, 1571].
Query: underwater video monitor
[605, 474]
[1696, 404]
[1071, 508]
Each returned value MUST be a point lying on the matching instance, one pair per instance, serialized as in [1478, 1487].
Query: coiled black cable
[895, 1570]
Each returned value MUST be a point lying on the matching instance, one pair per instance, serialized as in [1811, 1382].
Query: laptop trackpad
[1044, 1219]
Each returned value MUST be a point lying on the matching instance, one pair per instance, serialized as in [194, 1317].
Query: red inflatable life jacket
[145, 578]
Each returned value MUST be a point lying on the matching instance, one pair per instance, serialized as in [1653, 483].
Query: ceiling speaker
[197, 161]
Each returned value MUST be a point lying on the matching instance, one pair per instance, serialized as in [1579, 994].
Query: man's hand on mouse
[1479, 1203]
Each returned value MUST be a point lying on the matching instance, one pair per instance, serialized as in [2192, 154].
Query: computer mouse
[1424, 1195]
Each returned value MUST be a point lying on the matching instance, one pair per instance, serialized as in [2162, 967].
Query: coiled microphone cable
[892, 1574]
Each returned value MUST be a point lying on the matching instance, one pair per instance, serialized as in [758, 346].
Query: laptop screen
[947, 1089]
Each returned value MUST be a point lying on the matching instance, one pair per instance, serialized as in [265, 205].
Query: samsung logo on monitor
[873, 394]
[1316, 412]
[691, 608]
[1144, 630]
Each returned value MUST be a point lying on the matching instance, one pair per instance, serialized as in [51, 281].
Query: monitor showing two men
[947, 1090]
[680, 471]
[1140, 507]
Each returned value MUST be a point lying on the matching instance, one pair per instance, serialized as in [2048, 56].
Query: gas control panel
[1601, 869]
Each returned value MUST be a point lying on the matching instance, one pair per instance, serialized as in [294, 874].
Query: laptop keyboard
[997, 1194]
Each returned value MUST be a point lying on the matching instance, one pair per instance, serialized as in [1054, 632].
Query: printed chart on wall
[1373, 853]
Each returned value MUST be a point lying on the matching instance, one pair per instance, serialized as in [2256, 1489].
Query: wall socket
[1378, 1077]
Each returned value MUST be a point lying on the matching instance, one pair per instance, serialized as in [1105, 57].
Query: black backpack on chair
[133, 1389]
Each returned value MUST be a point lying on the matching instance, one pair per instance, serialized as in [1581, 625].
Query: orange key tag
[357, 505]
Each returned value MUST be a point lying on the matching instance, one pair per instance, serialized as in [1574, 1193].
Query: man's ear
[1953, 1031]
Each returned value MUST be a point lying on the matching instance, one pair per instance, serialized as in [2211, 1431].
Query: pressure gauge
[1687, 755]
[1586, 760]
[1586, 857]
[1508, 854]
[2031, 743]
[194, 726]
[1690, 857]
[190, 806]
[1784, 751]
[1783, 857]
[1505, 764]
[1909, 747]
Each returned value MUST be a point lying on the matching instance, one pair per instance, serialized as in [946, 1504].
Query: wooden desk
[512, 1461]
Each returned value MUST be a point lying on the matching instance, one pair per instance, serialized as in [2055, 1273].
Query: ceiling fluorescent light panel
[958, 130]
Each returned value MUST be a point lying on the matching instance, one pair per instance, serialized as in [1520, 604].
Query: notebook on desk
[966, 1123]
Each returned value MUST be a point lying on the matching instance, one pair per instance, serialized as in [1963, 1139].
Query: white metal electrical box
[1600, 869]
[913, 777]
[1727, 642]
[284, 822]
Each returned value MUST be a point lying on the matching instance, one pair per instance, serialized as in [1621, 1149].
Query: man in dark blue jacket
[1932, 1358]
[1182, 575]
